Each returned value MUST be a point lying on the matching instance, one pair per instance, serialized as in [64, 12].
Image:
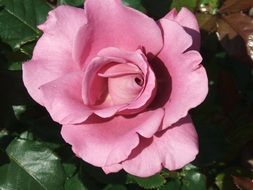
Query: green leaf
[70, 169]
[18, 110]
[178, 4]
[12, 59]
[209, 6]
[27, 49]
[156, 9]
[224, 180]
[74, 183]
[32, 166]
[19, 20]
[154, 181]
[136, 4]
[174, 184]
[13, 177]
[193, 180]
[115, 187]
[77, 3]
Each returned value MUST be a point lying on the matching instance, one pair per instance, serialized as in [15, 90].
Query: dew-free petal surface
[64, 100]
[172, 148]
[112, 24]
[189, 84]
[104, 143]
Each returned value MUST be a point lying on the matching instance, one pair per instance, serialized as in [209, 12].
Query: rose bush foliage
[120, 84]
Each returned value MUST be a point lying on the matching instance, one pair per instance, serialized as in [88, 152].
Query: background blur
[33, 156]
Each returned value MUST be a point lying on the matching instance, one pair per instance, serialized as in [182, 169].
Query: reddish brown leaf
[224, 29]
[243, 183]
[207, 22]
[235, 6]
[243, 25]
[231, 40]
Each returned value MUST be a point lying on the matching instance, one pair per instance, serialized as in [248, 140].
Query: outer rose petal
[59, 30]
[172, 148]
[106, 27]
[64, 99]
[188, 20]
[105, 143]
[189, 84]
[112, 169]
[37, 73]
[51, 59]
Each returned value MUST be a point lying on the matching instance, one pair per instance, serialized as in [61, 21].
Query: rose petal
[171, 15]
[135, 57]
[185, 18]
[119, 70]
[51, 59]
[60, 28]
[64, 100]
[189, 85]
[146, 96]
[110, 17]
[188, 20]
[124, 89]
[112, 168]
[172, 149]
[105, 143]
[148, 93]
[37, 73]
[111, 57]
[175, 37]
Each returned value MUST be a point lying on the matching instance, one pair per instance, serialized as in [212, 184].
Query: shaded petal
[188, 20]
[108, 142]
[64, 100]
[92, 80]
[107, 27]
[189, 85]
[172, 148]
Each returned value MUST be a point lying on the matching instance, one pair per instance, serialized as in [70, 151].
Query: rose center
[139, 81]
[124, 83]
[116, 78]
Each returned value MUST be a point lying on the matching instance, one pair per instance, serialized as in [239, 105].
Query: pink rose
[121, 84]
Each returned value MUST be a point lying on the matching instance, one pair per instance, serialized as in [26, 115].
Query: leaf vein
[21, 20]
[30, 173]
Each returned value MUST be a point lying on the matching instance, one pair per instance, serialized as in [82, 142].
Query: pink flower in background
[121, 84]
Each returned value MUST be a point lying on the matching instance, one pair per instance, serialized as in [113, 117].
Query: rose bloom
[120, 84]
